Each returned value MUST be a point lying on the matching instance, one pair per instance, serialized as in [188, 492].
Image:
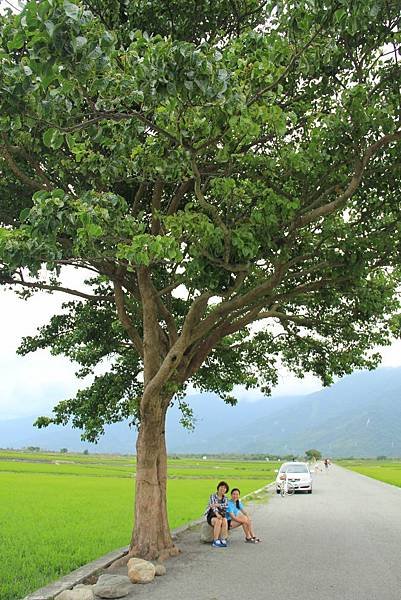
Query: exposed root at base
[154, 554]
[165, 554]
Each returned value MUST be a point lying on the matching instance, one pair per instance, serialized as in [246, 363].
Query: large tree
[210, 165]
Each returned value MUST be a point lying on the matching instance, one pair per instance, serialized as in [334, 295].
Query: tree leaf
[17, 42]
[71, 10]
[53, 138]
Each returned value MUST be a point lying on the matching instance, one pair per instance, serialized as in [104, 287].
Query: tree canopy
[247, 159]
[313, 454]
[210, 165]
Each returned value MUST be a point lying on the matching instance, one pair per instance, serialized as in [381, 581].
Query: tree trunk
[151, 536]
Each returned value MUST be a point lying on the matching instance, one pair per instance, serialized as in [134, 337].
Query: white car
[298, 473]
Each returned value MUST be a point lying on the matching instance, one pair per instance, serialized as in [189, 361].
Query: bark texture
[151, 537]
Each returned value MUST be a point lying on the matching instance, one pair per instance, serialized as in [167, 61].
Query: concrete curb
[51, 591]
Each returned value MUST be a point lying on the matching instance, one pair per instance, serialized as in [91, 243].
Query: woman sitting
[238, 517]
[216, 515]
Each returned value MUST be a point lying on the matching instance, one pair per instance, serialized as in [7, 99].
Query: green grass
[21, 455]
[388, 471]
[67, 469]
[56, 516]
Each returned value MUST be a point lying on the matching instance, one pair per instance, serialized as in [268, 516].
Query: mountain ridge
[360, 415]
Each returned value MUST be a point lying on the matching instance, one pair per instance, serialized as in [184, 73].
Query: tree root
[154, 553]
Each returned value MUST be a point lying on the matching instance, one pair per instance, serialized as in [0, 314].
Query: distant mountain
[20, 433]
[209, 410]
[358, 416]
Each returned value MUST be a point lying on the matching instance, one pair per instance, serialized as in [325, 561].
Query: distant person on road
[326, 463]
[238, 517]
[216, 513]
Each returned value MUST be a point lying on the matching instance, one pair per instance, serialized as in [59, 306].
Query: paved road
[343, 542]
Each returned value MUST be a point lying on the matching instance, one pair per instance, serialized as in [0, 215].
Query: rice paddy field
[388, 471]
[58, 512]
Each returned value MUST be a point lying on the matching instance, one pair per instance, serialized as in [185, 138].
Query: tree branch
[153, 343]
[125, 319]
[201, 351]
[315, 268]
[34, 185]
[305, 321]
[239, 280]
[168, 289]
[53, 288]
[166, 315]
[194, 314]
[317, 201]
[33, 162]
[76, 263]
[239, 302]
[229, 326]
[212, 211]
[271, 86]
[156, 203]
[159, 374]
[329, 208]
[138, 197]
[114, 116]
[241, 268]
[308, 287]
[185, 187]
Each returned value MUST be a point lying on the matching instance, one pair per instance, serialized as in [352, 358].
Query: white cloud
[31, 384]
[391, 355]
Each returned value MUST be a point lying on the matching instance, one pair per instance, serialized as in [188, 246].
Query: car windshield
[294, 469]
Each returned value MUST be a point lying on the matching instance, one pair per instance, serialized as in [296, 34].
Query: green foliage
[179, 19]
[310, 454]
[249, 155]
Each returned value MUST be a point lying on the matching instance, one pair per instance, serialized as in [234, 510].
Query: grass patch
[388, 471]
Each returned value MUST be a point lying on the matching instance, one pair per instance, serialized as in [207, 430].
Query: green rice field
[388, 471]
[58, 512]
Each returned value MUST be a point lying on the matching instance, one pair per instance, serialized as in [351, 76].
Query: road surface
[343, 542]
